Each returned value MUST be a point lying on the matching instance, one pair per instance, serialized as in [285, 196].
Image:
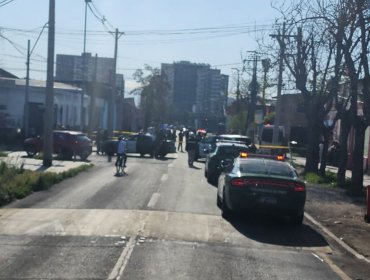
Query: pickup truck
[143, 144]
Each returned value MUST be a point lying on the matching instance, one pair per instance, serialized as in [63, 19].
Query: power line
[104, 19]
[5, 2]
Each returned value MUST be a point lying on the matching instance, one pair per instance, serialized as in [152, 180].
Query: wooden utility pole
[49, 98]
[113, 93]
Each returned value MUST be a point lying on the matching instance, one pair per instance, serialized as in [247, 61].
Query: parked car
[143, 144]
[223, 151]
[261, 185]
[65, 143]
[208, 143]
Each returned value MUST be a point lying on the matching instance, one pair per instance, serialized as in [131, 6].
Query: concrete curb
[344, 245]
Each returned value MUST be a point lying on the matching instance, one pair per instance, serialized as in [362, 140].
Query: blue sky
[215, 32]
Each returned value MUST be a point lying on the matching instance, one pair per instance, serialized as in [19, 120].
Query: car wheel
[225, 210]
[211, 179]
[31, 150]
[67, 154]
[84, 156]
[296, 220]
[219, 202]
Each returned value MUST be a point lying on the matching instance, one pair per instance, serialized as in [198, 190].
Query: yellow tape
[272, 147]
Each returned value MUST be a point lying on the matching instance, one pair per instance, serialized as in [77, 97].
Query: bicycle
[120, 164]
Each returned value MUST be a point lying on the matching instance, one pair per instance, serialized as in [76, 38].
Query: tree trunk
[314, 128]
[357, 179]
[342, 167]
[324, 156]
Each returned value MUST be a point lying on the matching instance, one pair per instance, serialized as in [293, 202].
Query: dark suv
[65, 143]
[223, 151]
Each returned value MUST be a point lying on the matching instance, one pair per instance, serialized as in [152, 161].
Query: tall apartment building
[83, 69]
[71, 68]
[196, 90]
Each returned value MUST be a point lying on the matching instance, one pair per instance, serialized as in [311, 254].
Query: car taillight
[299, 187]
[237, 182]
[280, 157]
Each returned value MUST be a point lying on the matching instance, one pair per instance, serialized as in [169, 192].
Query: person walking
[98, 141]
[181, 139]
[190, 147]
[121, 155]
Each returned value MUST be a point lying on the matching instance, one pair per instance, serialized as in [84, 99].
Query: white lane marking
[317, 257]
[122, 261]
[340, 242]
[164, 177]
[153, 200]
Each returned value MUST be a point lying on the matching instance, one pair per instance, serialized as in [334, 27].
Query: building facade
[67, 105]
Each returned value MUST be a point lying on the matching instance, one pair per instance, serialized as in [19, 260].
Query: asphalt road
[159, 221]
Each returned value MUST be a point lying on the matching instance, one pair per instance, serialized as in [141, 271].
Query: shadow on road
[277, 231]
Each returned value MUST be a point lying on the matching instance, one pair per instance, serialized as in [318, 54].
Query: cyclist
[121, 156]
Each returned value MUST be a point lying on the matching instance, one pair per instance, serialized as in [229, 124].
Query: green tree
[237, 122]
[154, 100]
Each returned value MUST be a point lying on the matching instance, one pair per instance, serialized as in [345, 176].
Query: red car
[65, 143]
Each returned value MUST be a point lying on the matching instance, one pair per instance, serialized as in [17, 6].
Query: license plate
[268, 200]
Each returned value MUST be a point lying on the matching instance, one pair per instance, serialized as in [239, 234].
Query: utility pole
[92, 119]
[26, 97]
[82, 118]
[26, 101]
[49, 98]
[281, 39]
[266, 64]
[252, 103]
[238, 89]
[113, 93]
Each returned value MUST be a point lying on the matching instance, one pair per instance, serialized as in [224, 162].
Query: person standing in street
[190, 147]
[181, 139]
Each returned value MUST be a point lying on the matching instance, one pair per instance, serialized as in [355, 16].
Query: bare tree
[342, 29]
[311, 56]
[349, 26]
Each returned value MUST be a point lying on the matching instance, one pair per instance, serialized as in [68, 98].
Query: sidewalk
[302, 161]
[20, 158]
[340, 214]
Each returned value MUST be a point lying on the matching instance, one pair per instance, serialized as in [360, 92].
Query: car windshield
[82, 138]
[267, 167]
[236, 139]
[230, 151]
